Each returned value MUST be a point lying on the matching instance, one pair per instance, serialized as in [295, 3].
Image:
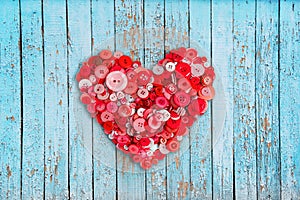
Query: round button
[146, 163]
[195, 82]
[131, 88]
[91, 108]
[184, 84]
[99, 88]
[161, 102]
[181, 99]
[143, 93]
[112, 107]
[93, 78]
[131, 75]
[143, 77]
[191, 53]
[163, 149]
[103, 96]
[85, 98]
[118, 54]
[116, 81]
[159, 155]
[140, 112]
[94, 61]
[124, 111]
[173, 145]
[138, 124]
[197, 69]
[85, 71]
[206, 93]
[105, 54]
[173, 124]
[144, 141]
[85, 83]
[183, 68]
[125, 61]
[171, 88]
[158, 70]
[170, 66]
[123, 139]
[106, 116]
[101, 71]
[154, 123]
[206, 80]
[166, 115]
[133, 149]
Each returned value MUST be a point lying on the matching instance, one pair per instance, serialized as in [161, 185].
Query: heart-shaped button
[146, 113]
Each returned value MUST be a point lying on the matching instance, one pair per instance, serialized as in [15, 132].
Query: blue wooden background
[254, 44]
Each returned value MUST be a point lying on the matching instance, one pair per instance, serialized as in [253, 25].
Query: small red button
[125, 61]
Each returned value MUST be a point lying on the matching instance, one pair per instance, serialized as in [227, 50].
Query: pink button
[171, 88]
[85, 98]
[161, 102]
[153, 123]
[184, 84]
[116, 81]
[138, 124]
[143, 77]
[93, 79]
[106, 116]
[105, 54]
[197, 69]
[112, 107]
[101, 71]
[123, 139]
[118, 54]
[131, 88]
[124, 111]
[85, 83]
[85, 71]
[99, 89]
[181, 99]
[91, 108]
[131, 75]
[191, 53]
[133, 149]
[143, 93]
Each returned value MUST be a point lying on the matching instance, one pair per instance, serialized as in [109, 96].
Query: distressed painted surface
[51, 149]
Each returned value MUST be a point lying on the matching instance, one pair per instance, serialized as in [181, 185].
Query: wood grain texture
[129, 39]
[10, 101]
[103, 149]
[289, 94]
[33, 101]
[201, 141]
[56, 100]
[222, 46]
[244, 100]
[268, 155]
[80, 129]
[154, 50]
[176, 35]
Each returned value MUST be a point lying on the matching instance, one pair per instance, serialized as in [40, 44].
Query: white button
[85, 83]
[170, 66]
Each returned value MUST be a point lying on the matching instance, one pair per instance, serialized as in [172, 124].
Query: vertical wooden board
[129, 26]
[176, 35]
[154, 51]
[222, 45]
[244, 100]
[103, 149]
[268, 155]
[289, 99]
[10, 98]
[56, 100]
[201, 179]
[33, 100]
[80, 122]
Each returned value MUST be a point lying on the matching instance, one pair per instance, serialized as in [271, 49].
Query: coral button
[182, 99]
[125, 61]
[146, 163]
[161, 102]
[94, 61]
[105, 54]
[206, 93]
[133, 149]
[184, 84]
[101, 71]
[106, 116]
[131, 88]
[191, 53]
[138, 125]
[85, 98]
[116, 81]
[85, 71]
[154, 123]
[124, 111]
[173, 145]
[112, 107]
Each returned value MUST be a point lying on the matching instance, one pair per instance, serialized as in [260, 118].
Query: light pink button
[116, 81]
[106, 116]
[153, 123]
[197, 69]
[103, 96]
[143, 93]
[105, 54]
[118, 54]
[138, 124]
[182, 99]
[112, 107]
[85, 83]
[93, 79]
[124, 111]
[101, 71]
[99, 89]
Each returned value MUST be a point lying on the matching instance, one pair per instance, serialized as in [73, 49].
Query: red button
[195, 82]
[173, 124]
[133, 149]
[144, 141]
[125, 61]
[161, 102]
[183, 68]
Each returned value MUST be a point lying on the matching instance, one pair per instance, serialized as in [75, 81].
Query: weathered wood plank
[244, 100]
[154, 51]
[33, 100]
[289, 99]
[176, 35]
[201, 179]
[80, 122]
[10, 101]
[103, 149]
[268, 155]
[56, 100]
[222, 45]
[129, 26]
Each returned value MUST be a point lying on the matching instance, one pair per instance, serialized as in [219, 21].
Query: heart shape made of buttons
[146, 113]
